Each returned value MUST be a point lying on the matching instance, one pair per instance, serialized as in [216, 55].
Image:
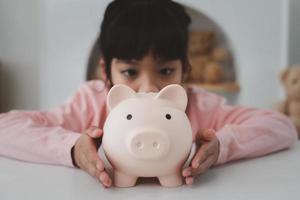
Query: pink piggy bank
[147, 135]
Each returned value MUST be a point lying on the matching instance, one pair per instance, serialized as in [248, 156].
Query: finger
[94, 143]
[93, 158]
[207, 135]
[204, 166]
[90, 130]
[105, 179]
[91, 163]
[200, 156]
[189, 180]
[204, 153]
[211, 146]
[203, 137]
[187, 172]
[94, 132]
[92, 170]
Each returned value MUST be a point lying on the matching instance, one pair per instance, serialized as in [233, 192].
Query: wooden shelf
[219, 87]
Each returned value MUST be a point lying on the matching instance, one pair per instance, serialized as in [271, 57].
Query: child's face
[147, 74]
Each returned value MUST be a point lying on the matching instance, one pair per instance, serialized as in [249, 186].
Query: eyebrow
[136, 62]
[128, 61]
[164, 60]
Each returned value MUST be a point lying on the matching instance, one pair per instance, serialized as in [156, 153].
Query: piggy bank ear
[117, 94]
[174, 93]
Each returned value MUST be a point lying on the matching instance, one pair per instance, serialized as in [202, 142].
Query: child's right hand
[86, 157]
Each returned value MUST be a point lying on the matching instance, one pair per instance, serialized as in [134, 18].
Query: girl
[143, 44]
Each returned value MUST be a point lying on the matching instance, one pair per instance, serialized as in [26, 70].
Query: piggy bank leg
[172, 180]
[123, 180]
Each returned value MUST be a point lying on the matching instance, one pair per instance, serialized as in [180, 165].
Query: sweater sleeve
[244, 132]
[47, 137]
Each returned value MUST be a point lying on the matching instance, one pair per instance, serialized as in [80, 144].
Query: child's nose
[148, 85]
[148, 88]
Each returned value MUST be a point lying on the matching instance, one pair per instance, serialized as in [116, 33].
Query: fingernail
[108, 183]
[189, 181]
[102, 177]
[187, 172]
[95, 133]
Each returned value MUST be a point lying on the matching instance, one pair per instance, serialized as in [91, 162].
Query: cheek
[117, 77]
[114, 75]
[177, 77]
[174, 80]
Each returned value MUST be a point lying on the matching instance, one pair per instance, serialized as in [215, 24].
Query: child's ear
[174, 93]
[117, 94]
[283, 75]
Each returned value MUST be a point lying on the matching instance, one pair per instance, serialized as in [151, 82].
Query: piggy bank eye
[168, 116]
[129, 117]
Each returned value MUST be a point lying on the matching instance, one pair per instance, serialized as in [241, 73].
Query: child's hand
[86, 157]
[205, 157]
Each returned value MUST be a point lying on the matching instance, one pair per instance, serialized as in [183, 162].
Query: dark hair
[93, 63]
[133, 28]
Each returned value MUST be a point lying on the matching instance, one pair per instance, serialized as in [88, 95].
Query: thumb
[208, 134]
[94, 132]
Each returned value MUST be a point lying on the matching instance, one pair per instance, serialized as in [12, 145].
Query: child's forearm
[262, 133]
[22, 138]
[47, 137]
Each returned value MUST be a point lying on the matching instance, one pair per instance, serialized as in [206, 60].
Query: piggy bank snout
[148, 144]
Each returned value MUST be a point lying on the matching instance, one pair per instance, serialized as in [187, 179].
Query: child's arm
[240, 132]
[47, 137]
[244, 132]
[247, 132]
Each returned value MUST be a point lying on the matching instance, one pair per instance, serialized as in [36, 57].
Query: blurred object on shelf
[200, 42]
[290, 79]
[229, 87]
[210, 63]
[213, 72]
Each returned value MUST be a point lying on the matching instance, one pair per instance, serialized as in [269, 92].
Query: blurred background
[45, 48]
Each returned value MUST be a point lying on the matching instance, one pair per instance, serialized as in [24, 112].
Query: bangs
[145, 28]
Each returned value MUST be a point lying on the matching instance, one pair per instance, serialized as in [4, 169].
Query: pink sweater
[47, 137]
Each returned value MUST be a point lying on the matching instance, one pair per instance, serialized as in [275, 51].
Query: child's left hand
[206, 155]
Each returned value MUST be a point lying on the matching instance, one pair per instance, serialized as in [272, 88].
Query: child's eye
[166, 71]
[129, 72]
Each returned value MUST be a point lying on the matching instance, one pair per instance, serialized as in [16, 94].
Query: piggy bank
[147, 135]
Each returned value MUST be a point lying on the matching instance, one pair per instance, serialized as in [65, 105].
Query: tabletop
[275, 176]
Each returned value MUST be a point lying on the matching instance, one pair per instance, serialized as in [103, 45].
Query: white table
[276, 176]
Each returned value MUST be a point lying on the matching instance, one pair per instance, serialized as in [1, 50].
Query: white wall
[45, 44]
[256, 30]
[19, 54]
[294, 50]
[70, 28]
